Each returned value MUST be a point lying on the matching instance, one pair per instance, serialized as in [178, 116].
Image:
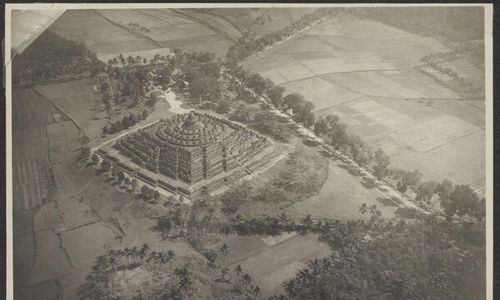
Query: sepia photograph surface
[249, 151]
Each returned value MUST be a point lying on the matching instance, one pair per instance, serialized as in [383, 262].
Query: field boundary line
[225, 19]
[58, 108]
[156, 43]
[343, 103]
[454, 140]
[207, 24]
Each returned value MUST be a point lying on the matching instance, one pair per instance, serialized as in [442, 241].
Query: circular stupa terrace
[191, 130]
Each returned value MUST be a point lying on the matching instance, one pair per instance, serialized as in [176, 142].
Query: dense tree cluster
[335, 133]
[426, 259]
[263, 121]
[453, 200]
[472, 51]
[202, 71]
[252, 86]
[100, 282]
[149, 193]
[138, 27]
[50, 57]
[125, 122]
[429, 258]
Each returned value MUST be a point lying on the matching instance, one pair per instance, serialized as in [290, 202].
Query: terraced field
[368, 74]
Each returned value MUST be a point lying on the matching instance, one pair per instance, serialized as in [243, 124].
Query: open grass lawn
[367, 73]
[340, 197]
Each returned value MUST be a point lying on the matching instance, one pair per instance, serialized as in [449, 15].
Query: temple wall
[189, 155]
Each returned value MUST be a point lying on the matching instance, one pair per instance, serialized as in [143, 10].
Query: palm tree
[256, 291]
[246, 278]
[163, 259]
[238, 270]
[144, 251]
[373, 210]
[290, 287]
[156, 257]
[170, 255]
[283, 218]
[236, 290]
[127, 254]
[134, 253]
[307, 221]
[224, 250]
[363, 209]
[102, 263]
[151, 257]
[185, 281]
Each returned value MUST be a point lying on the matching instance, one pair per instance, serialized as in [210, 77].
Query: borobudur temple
[191, 147]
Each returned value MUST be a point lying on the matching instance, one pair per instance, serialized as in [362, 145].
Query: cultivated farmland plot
[193, 31]
[367, 73]
[98, 34]
[269, 198]
[77, 99]
[272, 259]
[260, 20]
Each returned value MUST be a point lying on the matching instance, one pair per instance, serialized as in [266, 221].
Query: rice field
[98, 34]
[170, 28]
[30, 110]
[467, 70]
[30, 157]
[41, 132]
[76, 99]
[272, 260]
[368, 74]
[271, 18]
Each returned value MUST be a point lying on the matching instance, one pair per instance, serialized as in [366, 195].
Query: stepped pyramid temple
[191, 147]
